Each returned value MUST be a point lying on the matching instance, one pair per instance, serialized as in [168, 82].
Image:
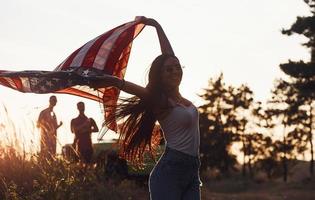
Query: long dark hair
[138, 133]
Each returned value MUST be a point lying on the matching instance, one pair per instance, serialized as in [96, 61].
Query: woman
[176, 175]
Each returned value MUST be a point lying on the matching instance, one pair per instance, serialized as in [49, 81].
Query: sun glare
[17, 130]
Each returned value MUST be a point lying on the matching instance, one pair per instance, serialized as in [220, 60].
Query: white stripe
[78, 59]
[107, 45]
[26, 84]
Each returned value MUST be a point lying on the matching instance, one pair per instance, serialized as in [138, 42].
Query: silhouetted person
[82, 127]
[47, 123]
[176, 175]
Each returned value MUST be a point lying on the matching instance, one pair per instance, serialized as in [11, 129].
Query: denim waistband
[178, 155]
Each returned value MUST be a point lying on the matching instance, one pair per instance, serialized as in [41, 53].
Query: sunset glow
[244, 42]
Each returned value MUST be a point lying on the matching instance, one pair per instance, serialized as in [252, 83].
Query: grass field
[32, 178]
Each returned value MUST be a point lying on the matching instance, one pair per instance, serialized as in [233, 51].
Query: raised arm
[165, 44]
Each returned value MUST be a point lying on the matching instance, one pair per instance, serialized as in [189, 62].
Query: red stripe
[16, 81]
[4, 82]
[79, 93]
[92, 52]
[68, 61]
[121, 65]
[122, 41]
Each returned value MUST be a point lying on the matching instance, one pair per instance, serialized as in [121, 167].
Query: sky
[242, 39]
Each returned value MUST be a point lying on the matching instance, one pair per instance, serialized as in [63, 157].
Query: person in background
[47, 123]
[82, 127]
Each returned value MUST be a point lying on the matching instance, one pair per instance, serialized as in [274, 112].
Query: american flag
[105, 54]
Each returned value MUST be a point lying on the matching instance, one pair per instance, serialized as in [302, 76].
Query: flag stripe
[107, 48]
[65, 64]
[26, 84]
[90, 55]
[95, 50]
[81, 55]
[11, 83]
[114, 55]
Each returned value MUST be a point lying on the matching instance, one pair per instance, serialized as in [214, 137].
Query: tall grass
[25, 175]
[37, 178]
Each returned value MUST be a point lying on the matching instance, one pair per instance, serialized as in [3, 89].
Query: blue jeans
[175, 177]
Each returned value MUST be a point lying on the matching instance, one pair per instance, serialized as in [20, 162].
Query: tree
[286, 105]
[216, 126]
[304, 72]
[266, 151]
[242, 99]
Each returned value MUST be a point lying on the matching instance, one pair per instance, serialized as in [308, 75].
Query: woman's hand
[149, 21]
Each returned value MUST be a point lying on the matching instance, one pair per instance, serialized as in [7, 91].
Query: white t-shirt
[181, 129]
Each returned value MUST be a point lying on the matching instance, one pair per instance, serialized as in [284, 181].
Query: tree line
[271, 135]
